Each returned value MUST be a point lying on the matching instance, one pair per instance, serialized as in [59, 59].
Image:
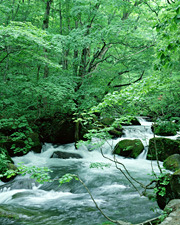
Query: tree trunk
[45, 27]
[76, 133]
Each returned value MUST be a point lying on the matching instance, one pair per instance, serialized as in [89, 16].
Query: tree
[78, 42]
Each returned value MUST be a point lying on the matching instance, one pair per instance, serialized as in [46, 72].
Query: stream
[51, 204]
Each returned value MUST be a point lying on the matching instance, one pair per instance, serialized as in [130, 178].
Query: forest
[72, 71]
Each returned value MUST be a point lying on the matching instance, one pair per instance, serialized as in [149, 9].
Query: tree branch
[98, 55]
[120, 73]
[153, 10]
[135, 53]
[117, 162]
[95, 56]
[122, 85]
[4, 58]
[8, 53]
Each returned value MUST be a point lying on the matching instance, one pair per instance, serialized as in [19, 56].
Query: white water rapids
[49, 204]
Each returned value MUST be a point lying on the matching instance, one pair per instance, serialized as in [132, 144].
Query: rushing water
[49, 204]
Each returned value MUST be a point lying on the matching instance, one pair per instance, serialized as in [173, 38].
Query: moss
[175, 184]
[116, 132]
[129, 148]
[172, 162]
[107, 121]
[165, 148]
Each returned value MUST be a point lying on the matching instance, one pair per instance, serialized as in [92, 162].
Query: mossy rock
[172, 162]
[175, 184]
[116, 132]
[129, 148]
[165, 148]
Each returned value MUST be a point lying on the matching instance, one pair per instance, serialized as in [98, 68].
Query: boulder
[173, 205]
[65, 155]
[175, 184]
[129, 148]
[165, 147]
[172, 209]
[172, 162]
[116, 132]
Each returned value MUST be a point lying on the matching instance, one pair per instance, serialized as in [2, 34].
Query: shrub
[165, 128]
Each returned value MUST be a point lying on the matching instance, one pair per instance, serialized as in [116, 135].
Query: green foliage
[83, 58]
[126, 119]
[100, 165]
[67, 178]
[39, 174]
[162, 181]
[165, 214]
[168, 36]
[8, 173]
[3, 161]
[85, 50]
[101, 134]
[96, 138]
[19, 35]
[155, 96]
[33, 99]
[165, 128]
[17, 134]
[82, 51]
